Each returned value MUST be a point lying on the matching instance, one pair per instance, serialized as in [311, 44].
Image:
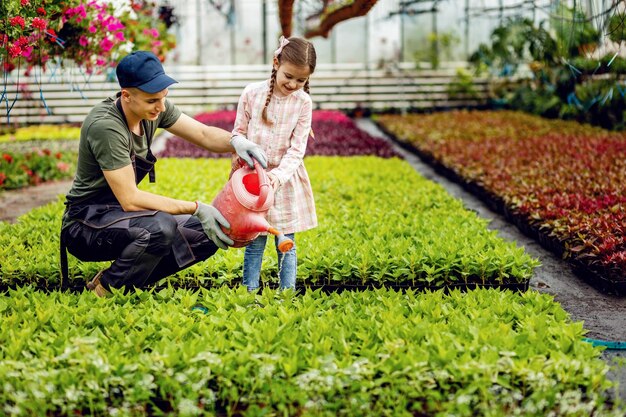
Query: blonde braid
[269, 97]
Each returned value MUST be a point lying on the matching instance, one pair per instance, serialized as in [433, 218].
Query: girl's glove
[247, 150]
[211, 220]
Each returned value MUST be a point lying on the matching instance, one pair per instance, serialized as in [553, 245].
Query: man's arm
[122, 183]
[210, 138]
[218, 140]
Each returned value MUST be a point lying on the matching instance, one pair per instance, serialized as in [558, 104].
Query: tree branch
[355, 9]
[285, 15]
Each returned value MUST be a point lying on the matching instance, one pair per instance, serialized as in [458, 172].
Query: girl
[276, 115]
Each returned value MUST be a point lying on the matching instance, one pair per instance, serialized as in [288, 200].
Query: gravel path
[17, 202]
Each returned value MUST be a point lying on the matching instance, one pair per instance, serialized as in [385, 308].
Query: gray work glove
[247, 150]
[211, 220]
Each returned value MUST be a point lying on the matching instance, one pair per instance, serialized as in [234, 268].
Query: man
[107, 218]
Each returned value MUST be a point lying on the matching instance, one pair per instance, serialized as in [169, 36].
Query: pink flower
[41, 11]
[17, 20]
[93, 29]
[63, 167]
[100, 62]
[82, 13]
[106, 44]
[39, 23]
[24, 2]
[78, 11]
[119, 36]
[112, 24]
[83, 41]
[152, 32]
[27, 52]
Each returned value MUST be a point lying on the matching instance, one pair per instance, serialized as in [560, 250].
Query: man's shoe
[95, 286]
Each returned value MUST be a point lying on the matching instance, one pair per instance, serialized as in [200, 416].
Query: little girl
[276, 114]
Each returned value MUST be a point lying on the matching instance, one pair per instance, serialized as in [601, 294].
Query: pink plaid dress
[284, 142]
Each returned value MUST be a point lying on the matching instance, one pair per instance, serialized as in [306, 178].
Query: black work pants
[143, 249]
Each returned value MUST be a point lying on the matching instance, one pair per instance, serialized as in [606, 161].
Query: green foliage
[40, 132]
[514, 43]
[439, 45]
[379, 223]
[617, 27]
[561, 69]
[598, 101]
[542, 101]
[575, 32]
[462, 85]
[229, 352]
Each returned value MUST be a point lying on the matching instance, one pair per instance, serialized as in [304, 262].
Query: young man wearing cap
[107, 218]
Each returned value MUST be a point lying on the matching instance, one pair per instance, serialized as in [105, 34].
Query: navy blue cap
[143, 70]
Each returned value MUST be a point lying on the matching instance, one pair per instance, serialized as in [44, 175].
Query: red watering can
[244, 202]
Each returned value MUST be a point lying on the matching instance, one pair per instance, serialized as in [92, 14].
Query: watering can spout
[284, 243]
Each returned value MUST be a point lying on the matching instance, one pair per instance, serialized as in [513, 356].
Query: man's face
[289, 77]
[145, 105]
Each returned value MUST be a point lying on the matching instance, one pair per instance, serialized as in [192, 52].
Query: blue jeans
[253, 257]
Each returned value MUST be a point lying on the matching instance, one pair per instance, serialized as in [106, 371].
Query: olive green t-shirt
[106, 144]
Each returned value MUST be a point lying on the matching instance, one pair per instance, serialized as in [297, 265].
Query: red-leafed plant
[335, 134]
[564, 179]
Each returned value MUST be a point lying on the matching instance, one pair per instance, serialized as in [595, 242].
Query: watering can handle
[264, 184]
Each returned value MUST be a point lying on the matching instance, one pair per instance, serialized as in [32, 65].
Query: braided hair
[299, 52]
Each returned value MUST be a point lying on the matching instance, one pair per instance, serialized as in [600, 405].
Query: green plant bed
[52, 145]
[40, 133]
[53, 137]
[380, 223]
[229, 352]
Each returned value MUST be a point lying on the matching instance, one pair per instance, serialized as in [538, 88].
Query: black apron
[105, 210]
